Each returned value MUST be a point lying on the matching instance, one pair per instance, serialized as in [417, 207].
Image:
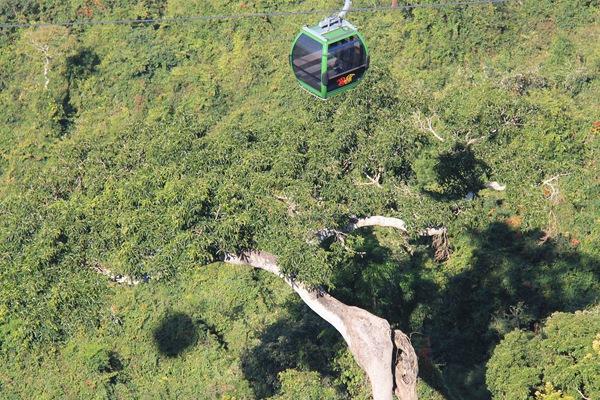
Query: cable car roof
[333, 33]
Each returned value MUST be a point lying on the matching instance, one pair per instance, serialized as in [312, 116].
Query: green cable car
[331, 57]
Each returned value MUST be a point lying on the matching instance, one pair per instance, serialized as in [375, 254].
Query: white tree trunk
[369, 338]
[357, 223]
[377, 220]
[46, 70]
[45, 50]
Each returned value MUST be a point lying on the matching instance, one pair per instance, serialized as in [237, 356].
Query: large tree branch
[357, 223]
[386, 356]
[376, 221]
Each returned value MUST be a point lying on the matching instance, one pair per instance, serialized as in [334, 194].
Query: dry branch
[389, 222]
[357, 223]
[471, 142]
[45, 50]
[582, 395]
[372, 180]
[117, 278]
[440, 243]
[386, 356]
[552, 185]
[495, 186]
[426, 125]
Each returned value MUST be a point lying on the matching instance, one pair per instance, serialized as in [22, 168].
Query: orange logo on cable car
[343, 81]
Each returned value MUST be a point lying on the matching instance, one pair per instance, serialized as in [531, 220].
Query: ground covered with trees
[153, 150]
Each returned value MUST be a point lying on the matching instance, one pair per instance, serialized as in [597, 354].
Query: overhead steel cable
[149, 21]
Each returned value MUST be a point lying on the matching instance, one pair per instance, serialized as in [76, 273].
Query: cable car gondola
[331, 57]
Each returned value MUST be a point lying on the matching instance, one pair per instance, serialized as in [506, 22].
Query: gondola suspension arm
[335, 20]
[347, 6]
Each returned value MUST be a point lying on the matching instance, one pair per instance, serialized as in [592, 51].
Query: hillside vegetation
[153, 150]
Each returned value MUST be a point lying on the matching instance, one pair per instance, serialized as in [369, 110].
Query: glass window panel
[306, 61]
[346, 62]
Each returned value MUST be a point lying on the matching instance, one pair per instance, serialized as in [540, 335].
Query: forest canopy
[152, 150]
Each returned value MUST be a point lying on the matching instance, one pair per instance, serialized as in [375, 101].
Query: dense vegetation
[153, 150]
[565, 353]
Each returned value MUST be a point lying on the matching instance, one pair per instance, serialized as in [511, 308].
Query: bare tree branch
[426, 125]
[471, 142]
[495, 186]
[406, 367]
[357, 223]
[440, 242]
[117, 278]
[582, 395]
[45, 50]
[373, 180]
[386, 356]
[377, 220]
[554, 191]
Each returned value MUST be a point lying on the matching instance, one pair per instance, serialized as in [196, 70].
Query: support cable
[203, 18]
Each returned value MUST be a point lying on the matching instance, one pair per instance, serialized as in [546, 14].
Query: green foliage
[550, 393]
[156, 149]
[136, 351]
[562, 355]
[352, 377]
[303, 385]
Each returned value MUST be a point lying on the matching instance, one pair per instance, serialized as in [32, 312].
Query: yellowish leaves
[514, 222]
[596, 344]
[549, 392]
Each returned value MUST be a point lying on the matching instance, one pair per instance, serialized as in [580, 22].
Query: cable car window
[306, 61]
[346, 62]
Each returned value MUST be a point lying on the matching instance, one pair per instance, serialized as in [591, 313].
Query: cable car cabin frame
[318, 71]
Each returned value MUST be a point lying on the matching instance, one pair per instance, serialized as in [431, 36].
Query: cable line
[244, 16]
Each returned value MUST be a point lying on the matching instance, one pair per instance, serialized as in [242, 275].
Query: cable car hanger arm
[335, 20]
[347, 6]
